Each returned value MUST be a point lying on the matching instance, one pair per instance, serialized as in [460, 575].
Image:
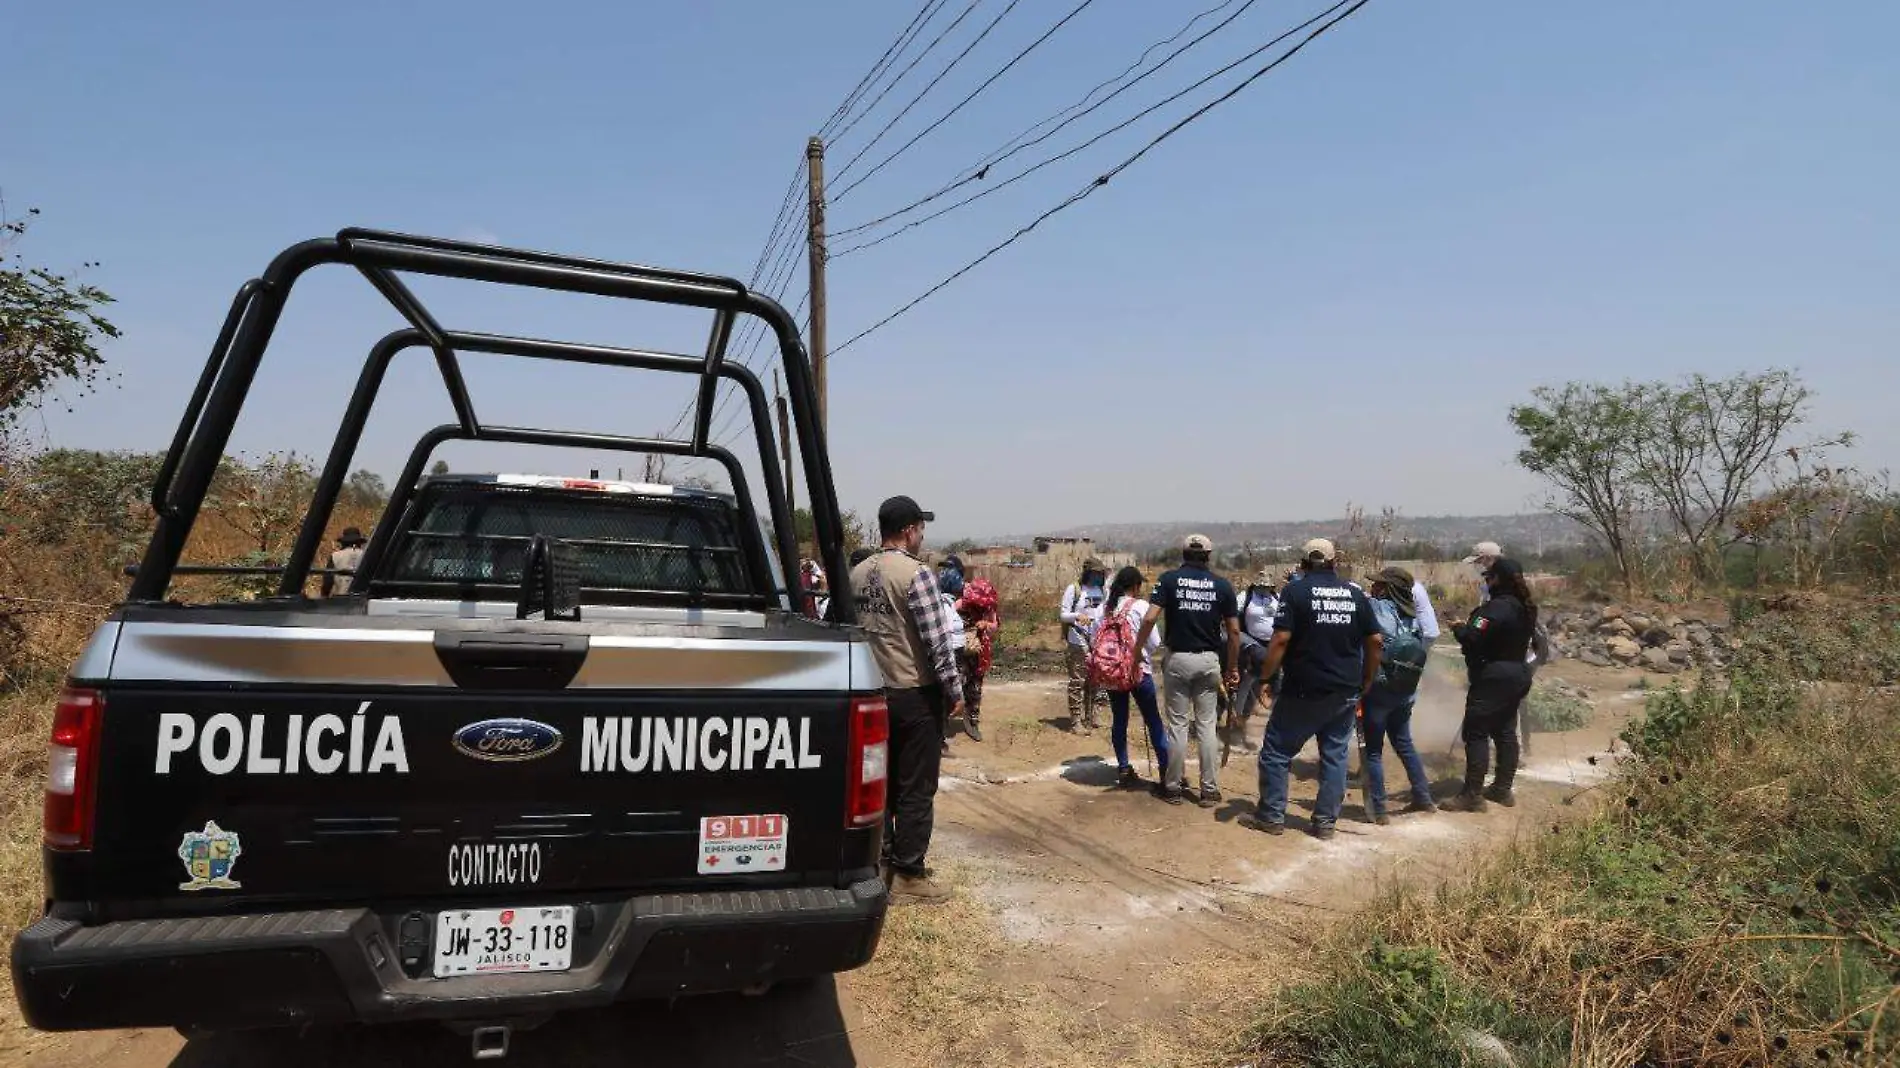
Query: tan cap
[1319, 549]
[1198, 543]
[1484, 548]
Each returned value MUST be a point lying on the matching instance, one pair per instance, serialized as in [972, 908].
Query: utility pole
[815, 240]
[785, 448]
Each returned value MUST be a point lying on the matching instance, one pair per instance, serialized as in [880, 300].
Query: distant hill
[1533, 533]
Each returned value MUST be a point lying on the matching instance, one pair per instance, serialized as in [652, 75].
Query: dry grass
[57, 581]
[1735, 901]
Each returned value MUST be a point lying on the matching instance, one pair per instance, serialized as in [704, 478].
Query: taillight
[869, 762]
[72, 769]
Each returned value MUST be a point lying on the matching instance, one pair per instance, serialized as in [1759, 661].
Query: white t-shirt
[1136, 610]
[957, 639]
[1081, 605]
[1257, 617]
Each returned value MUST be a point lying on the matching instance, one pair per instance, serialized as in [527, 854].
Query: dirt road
[1096, 923]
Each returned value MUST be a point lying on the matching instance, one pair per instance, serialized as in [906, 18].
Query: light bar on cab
[648, 489]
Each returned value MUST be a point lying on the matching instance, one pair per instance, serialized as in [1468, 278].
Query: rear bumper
[342, 965]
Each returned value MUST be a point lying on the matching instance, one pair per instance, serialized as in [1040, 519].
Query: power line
[1087, 190]
[1067, 153]
[925, 91]
[1132, 67]
[1074, 113]
[959, 106]
[727, 396]
[783, 228]
[923, 15]
[779, 222]
[905, 73]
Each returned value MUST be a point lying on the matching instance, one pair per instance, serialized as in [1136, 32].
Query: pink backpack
[1112, 662]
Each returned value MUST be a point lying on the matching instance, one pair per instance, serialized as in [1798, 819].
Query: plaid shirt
[934, 627]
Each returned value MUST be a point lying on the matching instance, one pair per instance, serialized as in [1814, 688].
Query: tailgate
[312, 789]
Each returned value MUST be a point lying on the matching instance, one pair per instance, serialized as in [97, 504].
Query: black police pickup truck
[563, 742]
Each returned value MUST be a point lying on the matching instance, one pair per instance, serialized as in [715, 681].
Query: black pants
[1491, 705]
[917, 721]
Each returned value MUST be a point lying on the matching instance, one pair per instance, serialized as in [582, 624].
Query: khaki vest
[882, 586]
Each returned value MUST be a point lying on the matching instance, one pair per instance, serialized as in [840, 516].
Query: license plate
[498, 941]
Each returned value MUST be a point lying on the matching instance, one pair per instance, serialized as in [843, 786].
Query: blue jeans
[1144, 695]
[1295, 721]
[1389, 715]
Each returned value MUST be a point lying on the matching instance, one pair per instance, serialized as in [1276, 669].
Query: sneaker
[946, 747]
[1466, 802]
[1127, 779]
[1255, 823]
[1380, 819]
[975, 732]
[1502, 797]
[1209, 797]
[918, 890]
[1325, 833]
[1419, 806]
[1172, 797]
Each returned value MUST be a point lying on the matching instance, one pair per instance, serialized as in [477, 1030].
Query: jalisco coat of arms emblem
[209, 856]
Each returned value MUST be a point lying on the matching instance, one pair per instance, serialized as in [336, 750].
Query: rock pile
[1613, 636]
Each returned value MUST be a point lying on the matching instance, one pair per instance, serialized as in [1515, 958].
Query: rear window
[475, 538]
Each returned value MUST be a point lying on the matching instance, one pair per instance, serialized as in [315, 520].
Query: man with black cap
[910, 634]
[1202, 619]
[1496, 641]
[348, 556]
[1329, 640]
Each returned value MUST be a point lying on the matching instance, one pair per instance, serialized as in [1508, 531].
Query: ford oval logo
[507, 739]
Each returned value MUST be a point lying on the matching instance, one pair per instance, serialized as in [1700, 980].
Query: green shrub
[1401, 1006]
[1550, 710]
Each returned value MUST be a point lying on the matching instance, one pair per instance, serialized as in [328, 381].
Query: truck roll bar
[380, 257]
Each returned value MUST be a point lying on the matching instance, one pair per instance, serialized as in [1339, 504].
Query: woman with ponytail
[1495, 641]
[1123, 601]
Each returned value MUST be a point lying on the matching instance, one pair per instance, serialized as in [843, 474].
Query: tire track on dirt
[1020, 831]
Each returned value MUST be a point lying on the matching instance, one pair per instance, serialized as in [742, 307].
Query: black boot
[1500, 790]
[1477, 763]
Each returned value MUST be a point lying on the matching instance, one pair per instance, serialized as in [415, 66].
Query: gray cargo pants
[1193, 696]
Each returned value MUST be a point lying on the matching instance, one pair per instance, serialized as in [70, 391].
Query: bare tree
[1580, 439]
[1808, 513]
[1704, 448]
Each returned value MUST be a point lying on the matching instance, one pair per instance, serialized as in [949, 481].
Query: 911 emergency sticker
[741, 844]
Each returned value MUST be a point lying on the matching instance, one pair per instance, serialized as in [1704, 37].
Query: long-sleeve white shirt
[1427, 616]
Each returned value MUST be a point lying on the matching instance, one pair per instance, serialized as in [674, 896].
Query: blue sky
[1328, 290]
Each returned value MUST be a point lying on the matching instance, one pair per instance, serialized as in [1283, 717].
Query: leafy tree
[440, 467]
[365, 489]
[856, 532]
[49, 327]
[83, 489]
[1581, 439]
[263, 501]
